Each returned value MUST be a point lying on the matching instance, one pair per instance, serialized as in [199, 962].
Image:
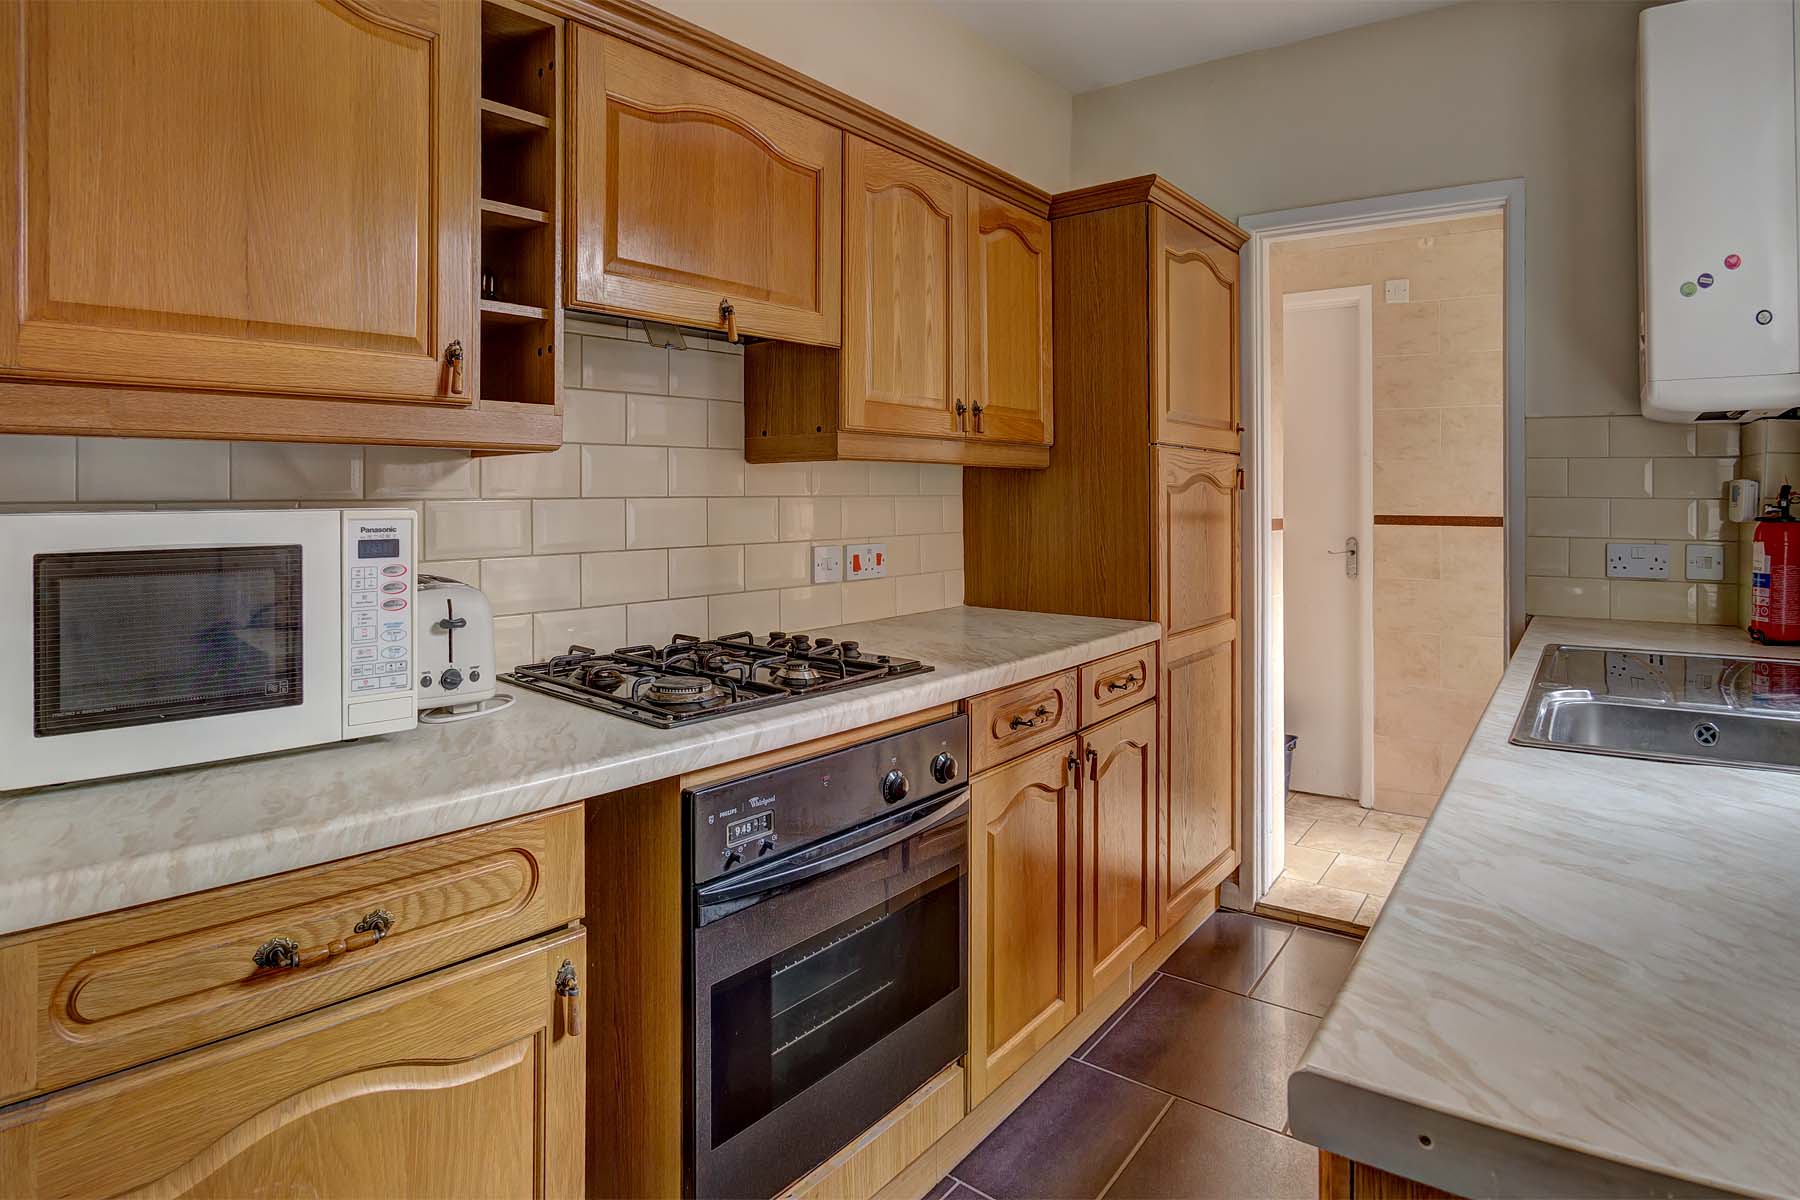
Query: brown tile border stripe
[1275, 523]
[1411, 519]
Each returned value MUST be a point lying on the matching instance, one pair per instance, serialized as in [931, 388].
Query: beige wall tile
[1549, 517]
[808, 520]
[1715, 439]
[575, 526]
[1430, 714]
[893, 479]
[725, 424]
[665, 421]
[741, 520]
[512, 641]
[1472, 662]
[1716, 603]
[417, 472]
[624, 471]
[108, 468]
[597, 417]
[1653, 600]
[1407, 606]
[529, 585]
[1635, 519]
[571, 359]
[954, 582]
[1407, 552]
[785, 565]
[1406, 659]
[1447, 267]
[1410, 764]
[1411, 803]
[952, 514]
[918, 514]
[602, 629]
[1406, 328]
[867, 517]
[708, 376]
[838, 479]
[1546, 556]
[778, 479]
[283, 471]
[37, 468]
[903, 555]
[1546, 477]
[613, 365]
[1474, 556]
[463, 570]
[1568, 437]
[477, 528]
[918, 593]
[624, 577]
[868, 600]
[653, 524]
[1475, 323]
[1567, 597]
[657, 621]
[706, 472]
[702, 571]
[757, 612]
[1779, 467]
[812, 607]
[1445, 380]
[510, 476]
[1587, 558]
[940, 552]
[1651, 439]
[1626, 478]
[1408, 435]
[1702, 478]
[1473, 608]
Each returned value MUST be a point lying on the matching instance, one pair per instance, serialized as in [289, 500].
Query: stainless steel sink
[1740, 712]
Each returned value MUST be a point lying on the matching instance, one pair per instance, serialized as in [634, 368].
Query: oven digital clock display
[749, 829]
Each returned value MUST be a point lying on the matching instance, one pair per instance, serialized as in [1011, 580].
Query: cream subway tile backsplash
[1567, 597]
[1568, 437]
[647, 522]
[1546, 477]
[1653, 600]
[1653, 439]
[1639, 520]
[1615, 477]
[1546, 556]
[1700, 478]
[1552, 517]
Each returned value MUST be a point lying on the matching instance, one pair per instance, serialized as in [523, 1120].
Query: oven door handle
[836, 853]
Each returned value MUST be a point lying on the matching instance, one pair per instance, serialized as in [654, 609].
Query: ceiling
[1087, 44]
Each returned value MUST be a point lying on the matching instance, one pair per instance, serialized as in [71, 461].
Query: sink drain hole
[1706, 733]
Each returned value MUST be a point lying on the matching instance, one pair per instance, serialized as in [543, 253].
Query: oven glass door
[138, 637]
[786, 1022]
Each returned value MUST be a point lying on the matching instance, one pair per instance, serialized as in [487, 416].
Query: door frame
[1362, 299]
[1263, 829]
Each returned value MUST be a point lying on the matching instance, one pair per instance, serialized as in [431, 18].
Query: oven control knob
[893, 786]
[732, 859]
[767, 847]
[451, 679]
[943, 767]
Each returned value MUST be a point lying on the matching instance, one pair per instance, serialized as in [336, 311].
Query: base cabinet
[1118, 839]
[1197, 814]
[1022, 895]
[464, 1082]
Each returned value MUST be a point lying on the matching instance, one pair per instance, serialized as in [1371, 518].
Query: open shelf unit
[521, 190]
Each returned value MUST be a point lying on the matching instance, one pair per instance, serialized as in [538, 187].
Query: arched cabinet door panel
[1194, 337]
[698, 202]
[1118, 847]
[277, 198]
[1009, 323]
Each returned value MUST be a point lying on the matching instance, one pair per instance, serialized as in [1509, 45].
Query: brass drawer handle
[1130, 681]
[962, 420]
[284, 953]
[453, 356]
[1040, 717]
[728, 319]
[1093, 761]
[568, 989]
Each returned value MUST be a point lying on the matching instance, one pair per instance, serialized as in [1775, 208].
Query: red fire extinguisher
[1775, 573]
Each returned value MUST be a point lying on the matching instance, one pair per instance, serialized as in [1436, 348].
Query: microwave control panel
[379, 604]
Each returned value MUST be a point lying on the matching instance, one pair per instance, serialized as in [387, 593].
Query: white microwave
[138, 641]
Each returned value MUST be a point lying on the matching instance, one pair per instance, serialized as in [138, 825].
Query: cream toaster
[456, 644]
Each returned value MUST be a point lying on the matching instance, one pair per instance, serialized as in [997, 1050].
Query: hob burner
[682, 690]
[796, 674]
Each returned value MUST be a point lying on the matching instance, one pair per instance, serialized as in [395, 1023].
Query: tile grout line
[970, 1186]
[1113, 1021]
[1168, 1103]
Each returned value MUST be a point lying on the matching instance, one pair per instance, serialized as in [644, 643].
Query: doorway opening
[1384, 435]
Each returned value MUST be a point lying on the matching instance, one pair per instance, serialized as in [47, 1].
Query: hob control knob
[894, 786]
[451, 679]
[850, 649]
[943, 767]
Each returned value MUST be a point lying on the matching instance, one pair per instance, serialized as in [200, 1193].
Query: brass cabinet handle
[1073, 765]
[1093, 757]
[728, 318]
[1124, 683]
[1021, 721]
[569, 990]
[977, 411]
[284, 953]
[453, 357]
[961, 411]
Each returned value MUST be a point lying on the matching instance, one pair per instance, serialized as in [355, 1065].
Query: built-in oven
[828, 952]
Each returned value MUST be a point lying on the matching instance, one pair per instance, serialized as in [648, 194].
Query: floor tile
[1303, 807]
[1398, 822]
[1371, 908]
[1295, 829]
[1197, 1154]
[1314, 898]
[1351, 839]
[1067, 1139]
[1307, 864]
[1106, 1025]
[946, 1188]
[1210, 1046]
[1308, 972]
[1370, 876]
[1404, 850]
[1231, 951]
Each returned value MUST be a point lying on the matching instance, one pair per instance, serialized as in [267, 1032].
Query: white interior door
[1327, 503]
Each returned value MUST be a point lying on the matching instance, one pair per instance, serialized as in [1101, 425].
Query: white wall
[1472, 92]
[913, 62]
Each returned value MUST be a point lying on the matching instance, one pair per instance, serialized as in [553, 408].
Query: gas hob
[696, 679]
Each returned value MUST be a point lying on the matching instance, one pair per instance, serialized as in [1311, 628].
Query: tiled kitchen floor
[1184, 1093]
[1342, 859]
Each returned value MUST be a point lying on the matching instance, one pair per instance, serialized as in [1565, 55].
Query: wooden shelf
[496, 214]
[505, 120]
[505, 313]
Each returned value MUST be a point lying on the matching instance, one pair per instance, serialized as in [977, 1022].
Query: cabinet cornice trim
[1149, 189]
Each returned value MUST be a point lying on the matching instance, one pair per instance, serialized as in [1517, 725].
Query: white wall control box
[828, 564]
[865, 560]
[1637, 560]
[1705, 562]
[1395, 291]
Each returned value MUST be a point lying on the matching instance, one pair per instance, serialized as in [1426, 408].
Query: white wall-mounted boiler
[1719, 219]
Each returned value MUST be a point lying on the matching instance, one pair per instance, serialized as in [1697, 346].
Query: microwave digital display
[378, 548]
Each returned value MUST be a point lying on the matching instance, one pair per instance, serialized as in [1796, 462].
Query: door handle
[1351, 553]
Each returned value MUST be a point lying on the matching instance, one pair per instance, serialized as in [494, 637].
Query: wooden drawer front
[107, 992]
[1008, 722]
[1112, 685]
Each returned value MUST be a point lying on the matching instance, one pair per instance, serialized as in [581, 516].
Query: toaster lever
[452, 622]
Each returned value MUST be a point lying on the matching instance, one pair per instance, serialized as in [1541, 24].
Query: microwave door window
[139, 637]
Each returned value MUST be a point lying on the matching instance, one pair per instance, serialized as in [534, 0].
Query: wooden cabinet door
[1022, 896]
[1193, 336]
[1118, 847]
[1197, 602]
[688, 192]
[465, 1082]
[1009, 323]
[904, 276]
[262, 197]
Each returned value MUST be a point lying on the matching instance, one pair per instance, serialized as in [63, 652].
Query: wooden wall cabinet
[246, 220]
[1023, 968]
[698, 202]
[1131, 519]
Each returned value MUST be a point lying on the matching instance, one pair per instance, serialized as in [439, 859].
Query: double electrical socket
[1650, 560]
[860, 560]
